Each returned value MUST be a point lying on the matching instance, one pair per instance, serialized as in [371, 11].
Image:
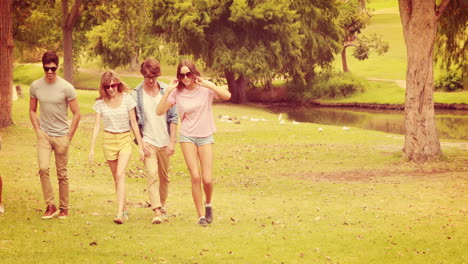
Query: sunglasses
[151, 77]
[188, 74]
[113, 86]
[53, 69]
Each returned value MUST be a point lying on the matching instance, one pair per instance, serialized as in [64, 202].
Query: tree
[121, 33]
[419, 19]
[35, 29]
[69, 19]
[6, 57]
[452, 40]
[245, 40]
[354, 18]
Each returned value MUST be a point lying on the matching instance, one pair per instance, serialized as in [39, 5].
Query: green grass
[283, 194]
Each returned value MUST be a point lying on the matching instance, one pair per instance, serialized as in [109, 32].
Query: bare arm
[75, 109]
[221, 92]
[164, 105]
[97, 125]
[33, 114]
[172, 140]
[136, 132]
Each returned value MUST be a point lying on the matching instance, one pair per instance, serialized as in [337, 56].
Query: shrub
[335, 85]
[450, 82]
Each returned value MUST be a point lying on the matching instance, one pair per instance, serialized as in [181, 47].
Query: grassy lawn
[388, 92]
[283, 194]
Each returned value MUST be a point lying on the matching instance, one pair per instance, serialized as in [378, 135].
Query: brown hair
[150, 66]
[191, 67]
[108, 77]
[50, 57]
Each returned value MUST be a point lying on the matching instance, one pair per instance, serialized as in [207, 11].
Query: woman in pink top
[194, 97]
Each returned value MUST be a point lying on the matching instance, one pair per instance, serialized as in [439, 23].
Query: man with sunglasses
[159, 135]
[54, 95]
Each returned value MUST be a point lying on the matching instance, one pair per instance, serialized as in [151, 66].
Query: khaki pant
[157, 167]
[59, 145]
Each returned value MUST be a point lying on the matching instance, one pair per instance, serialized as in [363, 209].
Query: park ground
[284, 193]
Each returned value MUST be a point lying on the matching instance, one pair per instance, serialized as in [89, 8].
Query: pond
[451, 124]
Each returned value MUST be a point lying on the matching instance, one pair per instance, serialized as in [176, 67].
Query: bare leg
[117, 168]
[191, 159]
[205, 154]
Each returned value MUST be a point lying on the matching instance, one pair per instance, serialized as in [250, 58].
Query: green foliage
[450, 82]
[120, 33]
[36, 28]
[256, 39]
[353, 19]
[335, 85]
[452, 39]
[366, 44]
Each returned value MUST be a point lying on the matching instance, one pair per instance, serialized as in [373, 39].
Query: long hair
[191, 67]
[108, 77]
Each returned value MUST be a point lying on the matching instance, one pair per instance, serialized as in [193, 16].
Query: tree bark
[419, 21]
[6, 58]
[344, 62]
[68, 23]
[237, 87]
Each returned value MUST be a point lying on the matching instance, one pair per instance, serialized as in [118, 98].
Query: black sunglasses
[113, 86]
[188, 74]
[53, 69]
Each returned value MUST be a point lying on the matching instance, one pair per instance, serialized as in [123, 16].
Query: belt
[116, 132]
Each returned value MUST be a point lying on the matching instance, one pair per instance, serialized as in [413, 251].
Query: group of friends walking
[150, 112]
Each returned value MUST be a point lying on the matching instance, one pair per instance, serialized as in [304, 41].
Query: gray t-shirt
[53, 101]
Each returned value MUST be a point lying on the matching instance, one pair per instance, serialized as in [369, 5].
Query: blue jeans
[199, 141]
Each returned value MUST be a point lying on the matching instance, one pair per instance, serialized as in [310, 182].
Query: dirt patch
[376, 175]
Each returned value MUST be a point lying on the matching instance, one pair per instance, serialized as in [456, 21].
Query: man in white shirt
[159, 135]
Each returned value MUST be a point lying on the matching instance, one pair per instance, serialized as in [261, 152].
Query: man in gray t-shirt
[54, 96]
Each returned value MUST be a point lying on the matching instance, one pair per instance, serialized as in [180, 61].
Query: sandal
[118, 220]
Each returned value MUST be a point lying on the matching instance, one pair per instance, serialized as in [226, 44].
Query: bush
[450, 82]
[335, 85]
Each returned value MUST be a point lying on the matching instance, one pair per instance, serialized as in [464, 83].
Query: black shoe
[202, 221]
[209, 214]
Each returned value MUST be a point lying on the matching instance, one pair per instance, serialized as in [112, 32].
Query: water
[451, 124]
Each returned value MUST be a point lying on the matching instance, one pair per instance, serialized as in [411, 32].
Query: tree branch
[441, 8]
[74, 14]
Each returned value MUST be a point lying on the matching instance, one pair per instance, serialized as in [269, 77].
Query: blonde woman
[117, 110]
[194, 96]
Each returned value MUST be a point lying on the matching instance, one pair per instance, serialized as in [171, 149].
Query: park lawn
[283, 194]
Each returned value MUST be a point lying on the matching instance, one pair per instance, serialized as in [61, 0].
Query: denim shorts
[199, 141]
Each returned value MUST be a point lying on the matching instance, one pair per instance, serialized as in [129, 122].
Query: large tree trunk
[419, 21]
[68, 66]
[6, 58]
[237, 87]
[68, 23]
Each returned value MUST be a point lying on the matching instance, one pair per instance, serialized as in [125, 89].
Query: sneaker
[209, 214]
[156, 220]
[2, 209]
[118, 220]
[50, 213]
[63, 214]
[202, 221]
